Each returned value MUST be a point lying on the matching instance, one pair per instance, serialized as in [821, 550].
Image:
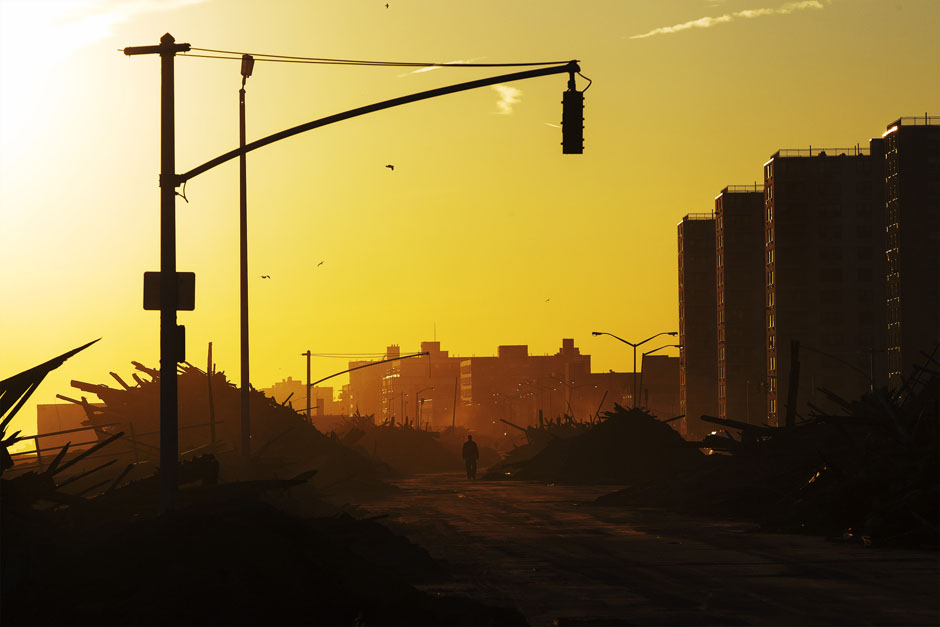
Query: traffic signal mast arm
[570, 68]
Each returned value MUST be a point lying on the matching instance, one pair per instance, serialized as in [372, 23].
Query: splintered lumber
[85, 474]
[154, 374]
[58, 458]
[96, 447]
[120, 477]
[513, 425]
[119, 380]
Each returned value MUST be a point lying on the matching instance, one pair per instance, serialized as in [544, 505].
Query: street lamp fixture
[634, 345]
[417, 397]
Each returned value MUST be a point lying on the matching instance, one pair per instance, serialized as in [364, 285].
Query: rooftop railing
[924, 120]
[699, 216]
[822, 152]
[739, 189]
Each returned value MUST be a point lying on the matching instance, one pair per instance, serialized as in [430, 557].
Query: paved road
[560, 560]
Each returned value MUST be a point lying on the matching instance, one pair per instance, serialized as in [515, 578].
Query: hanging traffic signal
[572, 122]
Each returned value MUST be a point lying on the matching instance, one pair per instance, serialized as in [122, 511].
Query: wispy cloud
[508, 96]
[708, 22]
[421, 70]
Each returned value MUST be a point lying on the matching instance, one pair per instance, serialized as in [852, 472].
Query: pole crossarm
[570, 67]
[374, 363]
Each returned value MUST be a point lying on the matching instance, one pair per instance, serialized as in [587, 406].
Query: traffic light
[572, 122]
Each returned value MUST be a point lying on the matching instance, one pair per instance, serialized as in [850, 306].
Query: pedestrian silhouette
[470, 456]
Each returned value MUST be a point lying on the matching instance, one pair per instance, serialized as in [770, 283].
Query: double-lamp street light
[634, 345]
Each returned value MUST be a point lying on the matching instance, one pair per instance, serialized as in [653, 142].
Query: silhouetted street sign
[185, 291]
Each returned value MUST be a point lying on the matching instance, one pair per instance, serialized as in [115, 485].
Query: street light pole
[634, 345]
[247, 65]
[417, 396]
[308, 354]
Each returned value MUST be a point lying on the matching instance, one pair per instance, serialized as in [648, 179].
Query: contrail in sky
[708, 22]
[437, 67]
[508, 96]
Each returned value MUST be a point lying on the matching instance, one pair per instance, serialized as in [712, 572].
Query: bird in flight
[390, 167]
[547, 299]
[319, 264]
[265, 276]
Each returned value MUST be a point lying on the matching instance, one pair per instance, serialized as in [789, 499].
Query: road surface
[560, 560]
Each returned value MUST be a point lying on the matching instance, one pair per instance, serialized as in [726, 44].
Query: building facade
[740, 289]
[824, 269]
[912, 207]
[698, 315]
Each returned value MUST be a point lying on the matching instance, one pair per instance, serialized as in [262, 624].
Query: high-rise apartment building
[912, 207]
[698, 314]
[739, 246]
[824, 265]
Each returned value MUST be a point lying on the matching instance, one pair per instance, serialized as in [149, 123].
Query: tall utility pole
[308, 383]
[170, 334]
[247, 64]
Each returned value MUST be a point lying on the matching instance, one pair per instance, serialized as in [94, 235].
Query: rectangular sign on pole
[185, 291]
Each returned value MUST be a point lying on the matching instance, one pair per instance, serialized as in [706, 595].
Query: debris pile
[868, 473]
[624, 446]
[282, 442]
[403, 447]
[226, 555]
[548, 430]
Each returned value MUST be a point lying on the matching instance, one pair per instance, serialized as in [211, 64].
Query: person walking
[470, 456]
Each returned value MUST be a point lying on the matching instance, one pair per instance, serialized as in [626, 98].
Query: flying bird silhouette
[390, 167]
[547, 299]
[265, 276]
[319, 264]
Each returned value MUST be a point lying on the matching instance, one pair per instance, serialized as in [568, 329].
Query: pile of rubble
[868, 473]
[282, 442]
[622, 447]
[402, 447]
[230, 553]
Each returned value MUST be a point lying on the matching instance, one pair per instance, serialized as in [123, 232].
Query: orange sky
[483, 218]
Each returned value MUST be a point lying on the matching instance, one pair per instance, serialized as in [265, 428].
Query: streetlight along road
[171, 336]
[634, 352]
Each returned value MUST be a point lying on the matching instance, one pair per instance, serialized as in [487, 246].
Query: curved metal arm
[657, 335]
[661, 348]
[615, 337]
[570, 67]
[374, 363]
